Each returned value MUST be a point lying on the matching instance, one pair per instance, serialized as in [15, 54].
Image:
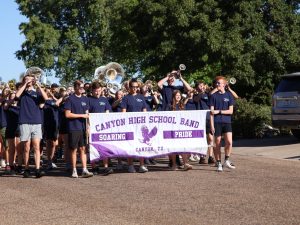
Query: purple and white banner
[147, 134]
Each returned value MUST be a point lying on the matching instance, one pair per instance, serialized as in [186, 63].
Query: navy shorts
[221, 128]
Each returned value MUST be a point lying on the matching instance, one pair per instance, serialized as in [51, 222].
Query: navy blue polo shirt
[30, 112]
[77, 105]
[202, 101]
[118, 108]
[133, 103]
[98, 105]
[149, 102]
[12, 117]
[222, 102]
[63, 121]
[190, 105]
[166, 93]
[51, 112]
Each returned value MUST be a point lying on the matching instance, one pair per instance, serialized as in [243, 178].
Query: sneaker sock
[74, 170]
[218, 161]
[85, 170]
[226, 157]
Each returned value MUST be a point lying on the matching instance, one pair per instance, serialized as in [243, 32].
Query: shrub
[250, 119]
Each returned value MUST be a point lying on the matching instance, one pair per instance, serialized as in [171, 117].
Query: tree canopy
[253, 41]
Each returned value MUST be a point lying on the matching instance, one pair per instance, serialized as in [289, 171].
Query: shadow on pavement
[273, 141]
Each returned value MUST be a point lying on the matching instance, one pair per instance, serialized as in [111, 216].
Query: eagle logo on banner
[147, 135]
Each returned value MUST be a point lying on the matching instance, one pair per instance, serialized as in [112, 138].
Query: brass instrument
[232, 80]
[112, 75]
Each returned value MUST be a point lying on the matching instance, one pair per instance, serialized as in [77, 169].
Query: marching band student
[63, 129]
[191, 105]
[134, 102]
[76, 111]
[51, 111]
[3, 124]
[177, 105]
[202, 103]
[30, 120]
[99, 104]
[12, 134]
[167, 90]
[221, 106]
[151, 101]
[116, 105]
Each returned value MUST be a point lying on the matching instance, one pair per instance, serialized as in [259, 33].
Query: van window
[289, 84]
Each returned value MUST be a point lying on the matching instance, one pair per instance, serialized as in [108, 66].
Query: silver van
[286, 104]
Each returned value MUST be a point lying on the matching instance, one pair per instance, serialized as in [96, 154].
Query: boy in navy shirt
[221, 106]
[134, 102]
[30, 120]
[99, 104]
[76, 111]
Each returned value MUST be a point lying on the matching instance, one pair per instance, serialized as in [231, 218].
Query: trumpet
[182, 67]
[232, 80]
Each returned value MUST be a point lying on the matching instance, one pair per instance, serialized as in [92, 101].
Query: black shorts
[77, 139]
[12, 133]
[221, 128]
[207, 126]
[51, 133]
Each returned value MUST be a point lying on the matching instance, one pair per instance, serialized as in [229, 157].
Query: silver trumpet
[182, 67]
[232, 80]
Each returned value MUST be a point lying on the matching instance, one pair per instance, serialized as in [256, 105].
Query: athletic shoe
[74, 174]
[202, 160]
[211, 160]
[9, 171]
[220, 167]
[119, 166]
[187, 167]
[107, 171]
[196, 157]
[96, 170]
[229, 164]
[131, 169]
[51, 166]
[86, 174]
[147, 162]
[152, 161]
[2, 163]
[26, 173]
[143, 169]
[192, 159]
[19, 170]
[39, 173]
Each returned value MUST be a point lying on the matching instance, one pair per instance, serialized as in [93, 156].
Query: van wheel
[296, 133]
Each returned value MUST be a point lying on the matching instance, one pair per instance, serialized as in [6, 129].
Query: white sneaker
[219, 167]
[74, 174]
[192, 158]
[143, 169]
[197, 158]
[51, 166]
[131, 169]
[86, 174]
[229, 164]
[2, 163]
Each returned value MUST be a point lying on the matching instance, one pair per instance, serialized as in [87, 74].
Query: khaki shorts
[30, 131]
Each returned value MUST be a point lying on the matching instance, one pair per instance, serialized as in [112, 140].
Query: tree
[254, 41]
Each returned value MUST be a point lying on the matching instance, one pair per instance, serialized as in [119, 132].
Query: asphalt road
[264, 189]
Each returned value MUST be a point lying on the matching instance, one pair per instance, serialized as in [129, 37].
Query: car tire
[296, 133]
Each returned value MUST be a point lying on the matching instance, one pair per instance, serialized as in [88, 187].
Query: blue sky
[11, 40]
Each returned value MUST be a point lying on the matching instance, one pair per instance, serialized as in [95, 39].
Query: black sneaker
[39, 173]
[211, 160]
[96, 170]
[26, 173]
[202, 160]
[19, 170]
[107, 171]
[152, 161]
